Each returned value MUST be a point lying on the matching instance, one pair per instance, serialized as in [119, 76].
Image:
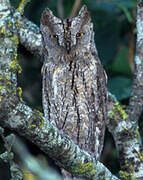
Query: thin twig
[22, 5]
[75, 8]
[60, 9]
[132, 42]
[32, 164]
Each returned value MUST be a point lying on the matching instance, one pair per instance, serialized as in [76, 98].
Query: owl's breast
[71, 95]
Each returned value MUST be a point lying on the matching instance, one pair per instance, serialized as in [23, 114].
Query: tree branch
[8, 157]
[30, 163]
[22, 5]
[60, 8]
[75, 8]
[136, 100]
[124, 124]
[29, 36]
[127, 140]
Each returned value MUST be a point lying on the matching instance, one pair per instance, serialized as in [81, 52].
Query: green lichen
[140, 156]
[9, 24]
[21, 6]
[6, 80]
[127, 176]
[32, 122]
[2, 87]
[125, 128]
[15, 40]
[20, 93]
[31, 126]
[4, 77]
[3, 30]
[14, 63]
[9, 34]
[85, 168]
[40, 113]
[15, 66]
[118, 108]
[19, 69]
[9, 83]
[18, 23]
[42, 123]
[130, 174]
[42, 120]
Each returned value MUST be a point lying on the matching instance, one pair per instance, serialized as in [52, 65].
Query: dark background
[115, 35]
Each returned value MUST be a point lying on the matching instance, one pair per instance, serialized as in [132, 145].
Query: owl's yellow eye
[78, 35]
[53, 36]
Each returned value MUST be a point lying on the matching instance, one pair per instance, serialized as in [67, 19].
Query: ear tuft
[84, 14]
[46, 15]
[83, 10]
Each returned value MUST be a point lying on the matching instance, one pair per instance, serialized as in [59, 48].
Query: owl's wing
[101, 111]
[45, 95]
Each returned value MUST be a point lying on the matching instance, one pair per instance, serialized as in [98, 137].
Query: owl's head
[69, 35]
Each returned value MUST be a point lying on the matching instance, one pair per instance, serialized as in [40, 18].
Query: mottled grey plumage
[74, 87]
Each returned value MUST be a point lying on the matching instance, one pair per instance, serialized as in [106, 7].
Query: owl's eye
[78, 35]
[52, 36]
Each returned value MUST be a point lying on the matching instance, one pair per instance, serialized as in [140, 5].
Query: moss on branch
[118, 108]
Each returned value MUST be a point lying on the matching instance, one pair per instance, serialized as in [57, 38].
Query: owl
[74, 82]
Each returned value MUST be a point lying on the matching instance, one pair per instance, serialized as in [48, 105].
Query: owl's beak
[68, 46]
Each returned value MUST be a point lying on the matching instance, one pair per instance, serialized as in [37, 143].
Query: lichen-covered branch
[123, 124]
[58, 146]
[29, 36]
[8, 157]
[31, 163]
[28, 32]
[127, 140]
[22, 5]
[136, 100]
[65, 153]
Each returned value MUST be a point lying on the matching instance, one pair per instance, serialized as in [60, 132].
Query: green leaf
[126, 12]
